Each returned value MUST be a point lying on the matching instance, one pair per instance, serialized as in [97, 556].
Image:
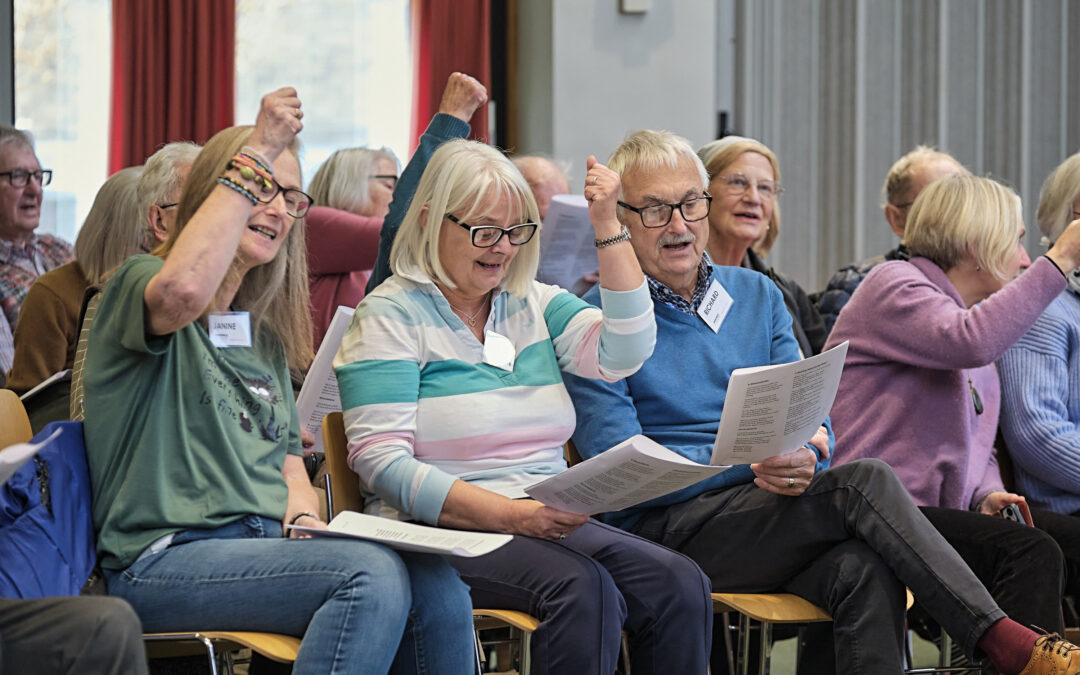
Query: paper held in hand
[319, 395]
[409, 536]
[771, 410]
[634, 471]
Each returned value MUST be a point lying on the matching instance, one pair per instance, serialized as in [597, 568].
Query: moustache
[674, 239]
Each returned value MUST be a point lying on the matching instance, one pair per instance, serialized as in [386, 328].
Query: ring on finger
[562, 537]
[594, 179]
[791, 482]
[298, 113]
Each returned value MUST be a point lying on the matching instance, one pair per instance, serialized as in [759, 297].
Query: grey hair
[343, 181]
[1059, 193]
[12, 136]
[161, 175]
[648, 149]
[114, 229]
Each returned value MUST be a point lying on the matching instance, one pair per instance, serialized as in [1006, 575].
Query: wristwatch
[622, 236]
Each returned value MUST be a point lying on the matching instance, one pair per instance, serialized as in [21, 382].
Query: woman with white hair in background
[353, 191]
[451, 383]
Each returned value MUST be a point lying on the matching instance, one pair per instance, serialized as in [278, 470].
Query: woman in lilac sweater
[920, 390]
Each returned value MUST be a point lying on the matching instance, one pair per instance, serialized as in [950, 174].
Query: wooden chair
[14, 422]
[220, 645]
[343, 494]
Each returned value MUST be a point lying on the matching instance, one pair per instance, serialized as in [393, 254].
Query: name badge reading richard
[499, 351]
[230, 329]
[714, 307]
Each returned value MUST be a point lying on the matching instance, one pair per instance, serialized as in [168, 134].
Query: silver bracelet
[622, 236]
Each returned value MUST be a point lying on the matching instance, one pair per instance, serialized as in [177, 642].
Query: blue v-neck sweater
[677, 397]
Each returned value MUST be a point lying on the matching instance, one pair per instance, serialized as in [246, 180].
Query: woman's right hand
[1066, 250]
[278, 122]
[534, 519]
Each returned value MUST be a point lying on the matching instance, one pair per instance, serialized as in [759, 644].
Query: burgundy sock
[1009, 645]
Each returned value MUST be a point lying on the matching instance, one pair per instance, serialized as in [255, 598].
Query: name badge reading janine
[230, 329]
[499, 351]
[714, 307]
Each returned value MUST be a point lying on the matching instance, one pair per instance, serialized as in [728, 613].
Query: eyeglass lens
[660, 215]
[486, 237]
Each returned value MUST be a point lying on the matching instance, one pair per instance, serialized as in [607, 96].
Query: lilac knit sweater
[915, 354]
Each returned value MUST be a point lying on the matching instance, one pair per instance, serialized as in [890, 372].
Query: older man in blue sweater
[847, 539]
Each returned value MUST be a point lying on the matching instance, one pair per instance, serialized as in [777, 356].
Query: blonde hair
[467, 178]
[344, 179]
[114, 230]
[275, 293]
[1058, 195]
[719, 154]
[898, 180]
[962, 214]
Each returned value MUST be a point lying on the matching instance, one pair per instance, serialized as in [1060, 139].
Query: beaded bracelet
[258, 157]
[250, 168]
[230, 183]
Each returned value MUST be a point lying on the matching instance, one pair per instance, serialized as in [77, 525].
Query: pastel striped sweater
[1040, 407]
[422, 409]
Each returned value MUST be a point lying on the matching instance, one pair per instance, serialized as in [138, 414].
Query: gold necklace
[469, 319]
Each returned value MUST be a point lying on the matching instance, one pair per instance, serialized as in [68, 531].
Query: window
[62, 97]
[350, 62]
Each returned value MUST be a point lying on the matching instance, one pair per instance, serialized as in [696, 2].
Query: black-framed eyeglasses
[659, 215]
[20, 177]
[738, 184]
[168, 206]
[486, 236]
[389, 177]
[297, 202]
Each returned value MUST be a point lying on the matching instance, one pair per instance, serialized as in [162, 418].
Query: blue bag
[46, 529]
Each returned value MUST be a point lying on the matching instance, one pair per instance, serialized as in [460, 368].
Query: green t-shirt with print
[180, 434]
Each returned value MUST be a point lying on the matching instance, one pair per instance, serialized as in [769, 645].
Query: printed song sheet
[770, 410]
[566, 243]
[409, 536]
[634, 471]
[319, 395]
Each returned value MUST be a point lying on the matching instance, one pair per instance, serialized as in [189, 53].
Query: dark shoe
[1053, 656]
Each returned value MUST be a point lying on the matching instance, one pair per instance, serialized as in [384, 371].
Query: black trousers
[849, 543]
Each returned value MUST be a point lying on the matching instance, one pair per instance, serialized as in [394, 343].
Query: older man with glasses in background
[24, 255]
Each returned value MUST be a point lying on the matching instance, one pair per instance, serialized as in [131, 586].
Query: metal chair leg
[743, 666]
[209, 644]
[766, 648]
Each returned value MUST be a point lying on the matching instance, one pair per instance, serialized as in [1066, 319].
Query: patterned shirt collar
[26, 256]
[9, 250]
[665, 295]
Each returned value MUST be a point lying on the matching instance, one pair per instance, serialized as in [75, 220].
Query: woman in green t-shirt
[193, 438]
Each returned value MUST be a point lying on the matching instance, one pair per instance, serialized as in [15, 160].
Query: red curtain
[448, 36]
[172, 75]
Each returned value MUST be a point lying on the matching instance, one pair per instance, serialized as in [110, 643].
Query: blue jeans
[360, 607]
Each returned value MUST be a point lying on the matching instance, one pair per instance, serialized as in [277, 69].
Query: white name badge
[230, 329]
[499, 351]
[714, 307]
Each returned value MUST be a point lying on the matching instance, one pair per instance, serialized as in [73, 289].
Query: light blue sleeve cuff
[626, 304]
[432, 496]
